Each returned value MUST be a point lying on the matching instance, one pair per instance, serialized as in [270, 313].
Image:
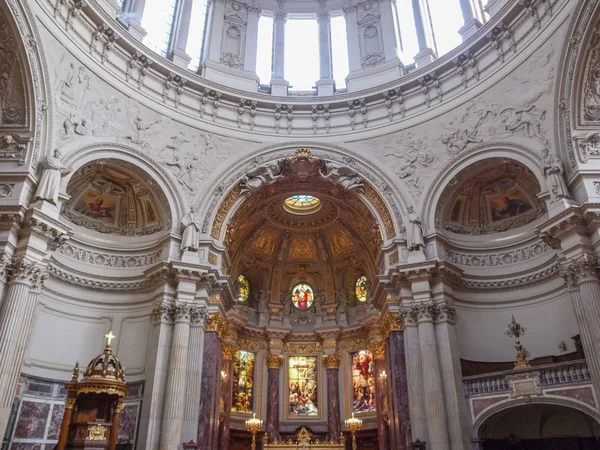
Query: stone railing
[558, 374]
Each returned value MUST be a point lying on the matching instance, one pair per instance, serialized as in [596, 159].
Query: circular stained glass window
[361, 289]
[243, 288]
[302, 204]
[302, 296]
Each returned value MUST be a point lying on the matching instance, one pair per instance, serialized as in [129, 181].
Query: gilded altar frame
[304, 441]
[259, 349]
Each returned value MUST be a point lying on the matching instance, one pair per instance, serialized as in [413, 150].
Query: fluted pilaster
[414, 371]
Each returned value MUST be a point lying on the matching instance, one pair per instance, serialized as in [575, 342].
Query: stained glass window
[361, 289]
[243, 381]
[363, 382]
[302, 296]
[303, 394]
[243, 288]
[302, 204]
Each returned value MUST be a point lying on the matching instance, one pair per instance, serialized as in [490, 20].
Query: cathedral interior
[294, 224]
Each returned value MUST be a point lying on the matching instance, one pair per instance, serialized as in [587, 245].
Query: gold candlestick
[254, 425]
[353, 424]
[517, 330]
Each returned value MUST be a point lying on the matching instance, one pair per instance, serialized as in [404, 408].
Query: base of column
[231, 77]
[135, 28]
[279, 87]
[469, 29]
[374, 76]
[180, 58]
[493, 7]
[425, 57]
[325, 87]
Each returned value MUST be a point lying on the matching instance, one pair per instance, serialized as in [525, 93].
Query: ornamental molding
[492, 50]
[302, 347]
[481, 259]
[228, 351]
[252, 345]
[429, 311]
[109, 260]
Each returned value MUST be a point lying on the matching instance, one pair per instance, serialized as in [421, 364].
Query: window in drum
[158, 23]
[302, 296]
[446, 20]
[363, 382]
[301, 66]
[303, 386]
[361, 289]
[264, 51]
[243, 382]
[243, 288]
[196, 37]
[339, 51]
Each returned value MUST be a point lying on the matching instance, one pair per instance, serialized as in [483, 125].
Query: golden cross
[109, 337]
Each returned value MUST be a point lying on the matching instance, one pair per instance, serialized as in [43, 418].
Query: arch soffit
[512, 403]
[79, 158]
[505, 150]
[381, 196]
[37, 80]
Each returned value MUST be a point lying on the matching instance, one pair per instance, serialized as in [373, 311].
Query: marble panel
[226, 394]
[333, 404]
[30, 446]
[128, 423]
[32, 420]
[481, 404]
[272, 425]
[399, 391]
[209, 400]
[383, 431]
[58, 411]
[583, 394]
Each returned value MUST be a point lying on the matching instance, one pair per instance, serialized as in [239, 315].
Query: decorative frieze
[498, 259]
[108, 260]
[303, 347]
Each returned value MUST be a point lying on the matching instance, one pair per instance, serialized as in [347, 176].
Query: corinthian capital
[447, 312]
[31, 272]
[162, 312]
[198, 315]
[181, 311]
[583, 269]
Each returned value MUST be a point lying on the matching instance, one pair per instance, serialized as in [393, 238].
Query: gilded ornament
[216, 323]
[303, 347]
[120, 407]
[391, 322]
[251, 345]
[354, 344]
[97, 433]
[378, 350]
[274, 361]
[228, 351]
[69, 403]
[331, 361]
[212, 259]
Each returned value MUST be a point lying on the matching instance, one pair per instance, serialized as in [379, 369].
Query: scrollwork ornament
[69, 403]
[120, 407]
[274, 362]
[378, 350]
[228, 351]
[216, 323]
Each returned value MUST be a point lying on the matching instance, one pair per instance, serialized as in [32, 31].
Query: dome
[491, 196]
[104, 374]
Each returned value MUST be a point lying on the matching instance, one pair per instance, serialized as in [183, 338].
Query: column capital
[323, 16]
[216, 322]
[378, 350]
[228, 351]
[198, 315]
[181, 312]
[580, 270]
[274, 361]
[280, 16]
[29, 272]
[332, 361]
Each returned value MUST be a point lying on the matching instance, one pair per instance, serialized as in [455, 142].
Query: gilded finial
[109, 338]
[75, 375]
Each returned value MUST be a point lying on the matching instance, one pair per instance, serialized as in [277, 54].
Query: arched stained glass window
[363, 381]
[302, 296]
[243, 288]
[243, 381]
[361, 289]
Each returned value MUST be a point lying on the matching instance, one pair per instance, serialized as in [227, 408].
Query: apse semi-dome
[115, 197]
[491, 196]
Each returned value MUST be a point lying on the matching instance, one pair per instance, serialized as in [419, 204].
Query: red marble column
[332, 364]
[383, 433]
[400, 433]
[272, 425]
[114, 429]
[208, 423]
[226, 393]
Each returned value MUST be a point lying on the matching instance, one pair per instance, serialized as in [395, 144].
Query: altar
[304, 441]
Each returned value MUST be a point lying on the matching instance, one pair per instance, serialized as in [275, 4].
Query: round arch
[502, 150]
[505, 405]
[382, 197]
[85, 155]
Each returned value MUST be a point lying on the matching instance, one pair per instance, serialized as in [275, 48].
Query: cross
[109, 337]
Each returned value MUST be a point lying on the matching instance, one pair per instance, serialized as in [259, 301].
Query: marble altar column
[198, 316]
[414, 377]
[16, 321]
[181, 30]
[400, 434]
[272, 423]
[424, 31]
[435, 408]
[208, 411]
[447, 343]
[226, 393]
[157, 362]
[332, 368]
[381, 400]
[175, 391]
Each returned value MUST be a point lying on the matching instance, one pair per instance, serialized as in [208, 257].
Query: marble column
[332, 367]
[273, 369]
[132, 13]
[435, 408]
[325, 84]
[198, 316]
[175, 391]
[400, 435]
[279, 85]
[226, 393]
[447, 343]
[414, 377]
[16, 320]
[471, 24]
[424, 33]
[584, 287]
[208, 411]
[381, 406]
[251, 38]
[181, 30]
[157, 357]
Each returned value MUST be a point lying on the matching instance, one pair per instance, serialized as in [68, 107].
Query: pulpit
[94, 404]
[304, 441]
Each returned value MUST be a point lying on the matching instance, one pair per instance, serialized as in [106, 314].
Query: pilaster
[181, 30]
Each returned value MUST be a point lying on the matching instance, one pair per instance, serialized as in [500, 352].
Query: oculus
[303, 396]
[363, 382]
[243, 288]
[243, 381]
[302, 204]
[302, 296]
[361, 289]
